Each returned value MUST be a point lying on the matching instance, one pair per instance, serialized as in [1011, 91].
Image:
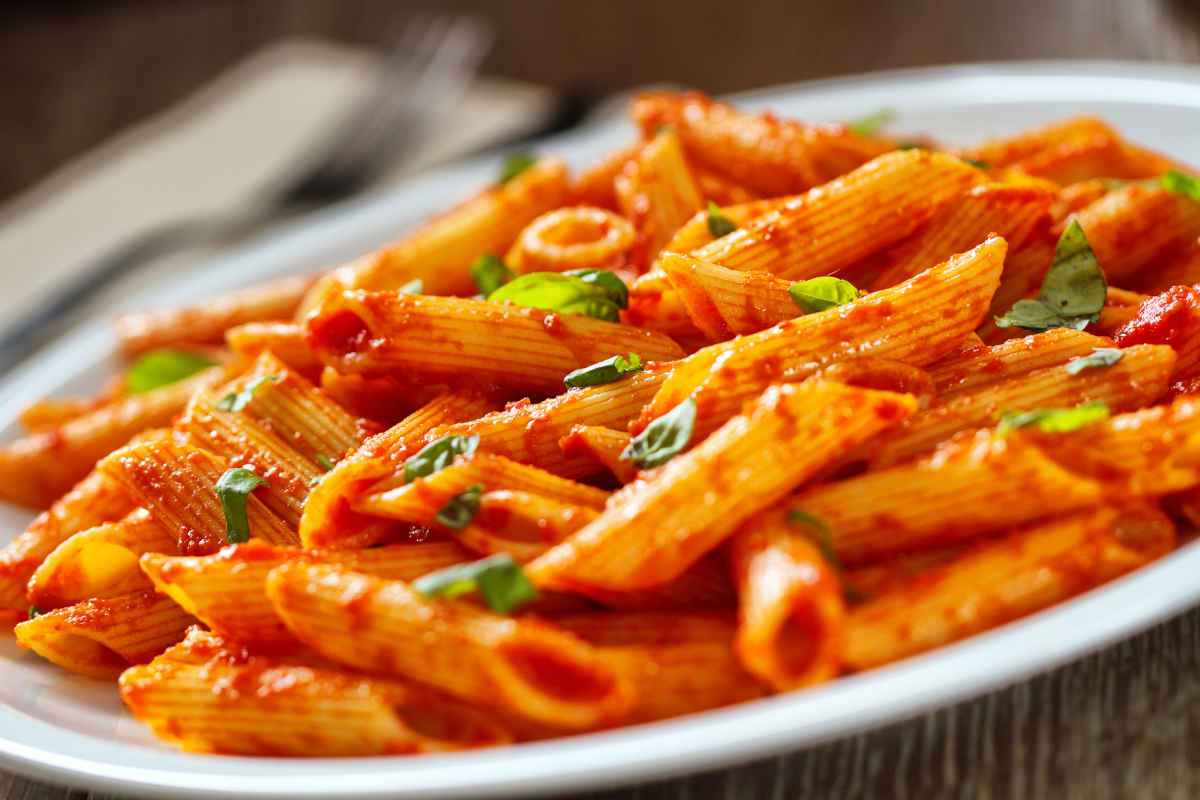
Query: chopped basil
[415, 286]
[323, 461]
[34, 612]
[821, 535]
[977, 164]
[1099, 357]
[438, 455]
[718, 224]
[162, 368]
[820, 294]
[1181, 183]
[237, 401]
[490, 273]
[499, 579]
[1072, 294]
[870, 124]
[462, 508]
[590, 292]
[663, 438]
[233, 488]
[1054, 420]
[607, 371]
[515, 164]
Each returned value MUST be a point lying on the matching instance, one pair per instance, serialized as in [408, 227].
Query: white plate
[73, 731]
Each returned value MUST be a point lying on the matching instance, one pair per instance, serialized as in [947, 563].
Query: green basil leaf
[592, 293]
[515, 164]
[237, 401]
[490, 273]
[162, 368]
[1100, 357]
[462, 508]
[871, 123]
[34, 612]
[606, 371]
[613, 287]
[663, 438]
[821, 535]
[1054, 420]
[438, 455]
[415, 286]
[499, 579]
[820, 294]
[324, 461]
[718, 224]
[1181, 183]
[233, 488]
[1072, 294]
[977, 164]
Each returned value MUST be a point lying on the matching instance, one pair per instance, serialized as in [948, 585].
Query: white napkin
[247, 128]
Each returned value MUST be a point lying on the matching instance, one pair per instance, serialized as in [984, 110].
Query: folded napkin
[248, 128]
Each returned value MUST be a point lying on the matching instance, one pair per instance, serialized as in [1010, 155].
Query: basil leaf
[462, 508]
[663, 438]
[1072, 294]
[323, 461]
[871, 123]
[822, 537]
[977, 164]
[718, 224]
[515, 164]
[592, 293]
[1100, 357]
[34, 612]
[607, 371]
[498, 578]
[233, 488]
[1181, 183]
[237, 401]
[490, 273]
[1054, 420]
[820, 294]
[438, 455]
[613, 287]
[415, 286]
[162, 368]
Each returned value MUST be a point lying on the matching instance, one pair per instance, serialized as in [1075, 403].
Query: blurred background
[75, 73]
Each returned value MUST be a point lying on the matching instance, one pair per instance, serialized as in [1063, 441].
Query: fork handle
[51, 317]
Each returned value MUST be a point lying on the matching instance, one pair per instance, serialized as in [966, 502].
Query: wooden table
[1122, 723]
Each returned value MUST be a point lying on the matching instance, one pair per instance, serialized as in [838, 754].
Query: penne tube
[695, 234]
[517, 666]
[51, 413]
[895, 323]
[1075, 196]
[720, 189]
[176, 483]
[1009, 211]
[100, 562]
[1004, 580]
[703, 585]
[601, 445]
[769, 155]
[37, 470]
[680, 663]
[456, 340]
[723, 302]
[1120, 307]
[95, 500]
[285, 340]
[1181, 268]
[981, 365]
[100, 638]
[521, 524]
[594, 186]
[1024, 271]
[791, 609]
[206, 323]
[653, 530]
[575, 237]
[1133, 227]
[421, 500]
[658, 192]
[1139, 378]
[209, 695]
[1027, 146]
[328, 517]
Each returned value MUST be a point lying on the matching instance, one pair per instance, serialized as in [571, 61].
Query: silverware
[426, 72]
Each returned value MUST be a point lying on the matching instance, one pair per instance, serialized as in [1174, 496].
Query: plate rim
[647, 752]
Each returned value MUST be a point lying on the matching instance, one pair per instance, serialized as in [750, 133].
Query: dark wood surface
[1122, 723]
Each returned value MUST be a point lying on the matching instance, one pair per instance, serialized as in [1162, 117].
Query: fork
[428, 69]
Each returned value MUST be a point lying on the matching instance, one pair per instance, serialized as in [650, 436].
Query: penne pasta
[285, 340]
[601, 445]
[658, 192]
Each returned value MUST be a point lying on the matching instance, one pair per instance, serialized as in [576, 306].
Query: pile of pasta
[750, 405]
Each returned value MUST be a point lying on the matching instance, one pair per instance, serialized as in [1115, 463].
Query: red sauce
[557, 674]
[198, 543]
[554, 325]
[1163, 319]
[340, 332]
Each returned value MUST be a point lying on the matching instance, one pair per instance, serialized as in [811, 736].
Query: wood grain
[1119, 724]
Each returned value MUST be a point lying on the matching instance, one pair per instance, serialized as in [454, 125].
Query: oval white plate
[73, 731]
